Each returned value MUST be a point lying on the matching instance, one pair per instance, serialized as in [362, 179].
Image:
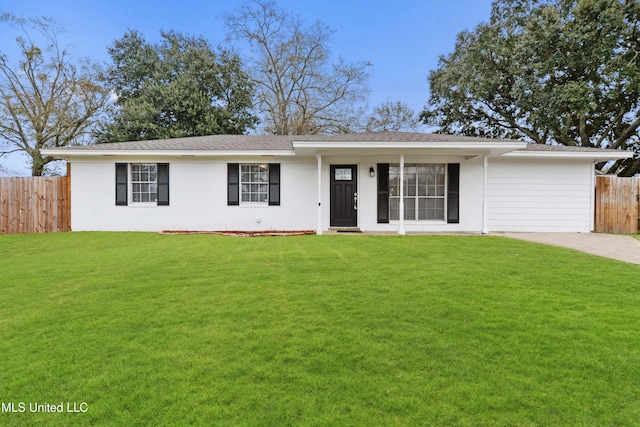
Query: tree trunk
[37, 165]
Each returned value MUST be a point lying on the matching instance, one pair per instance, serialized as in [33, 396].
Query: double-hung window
[253, 184]
[146, 183]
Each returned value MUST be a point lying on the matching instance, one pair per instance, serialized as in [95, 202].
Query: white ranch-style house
[375, 182]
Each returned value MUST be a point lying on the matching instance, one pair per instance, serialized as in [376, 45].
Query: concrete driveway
[622, 248]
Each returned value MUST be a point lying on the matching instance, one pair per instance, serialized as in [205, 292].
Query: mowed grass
[316, 330]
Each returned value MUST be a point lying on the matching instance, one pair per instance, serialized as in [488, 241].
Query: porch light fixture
[372, 172]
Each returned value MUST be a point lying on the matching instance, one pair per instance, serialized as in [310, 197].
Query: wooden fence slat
[18, 211]
[47, 219]
[34, 205]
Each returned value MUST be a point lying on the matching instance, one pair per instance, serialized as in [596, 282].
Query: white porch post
[401, 230]
[319, 229]
[485, 165]
[592, 198]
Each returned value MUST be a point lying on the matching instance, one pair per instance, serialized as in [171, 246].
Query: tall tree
[176, 88]
[299, 90]
[549, 71]
[394, 117]
[46, 99]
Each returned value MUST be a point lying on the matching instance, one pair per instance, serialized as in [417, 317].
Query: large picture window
[424, 191]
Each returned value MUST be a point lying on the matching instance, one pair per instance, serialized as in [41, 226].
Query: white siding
[522, 195]
[539, 195]
[198, 198]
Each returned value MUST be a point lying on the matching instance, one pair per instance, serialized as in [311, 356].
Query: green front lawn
[315, 330]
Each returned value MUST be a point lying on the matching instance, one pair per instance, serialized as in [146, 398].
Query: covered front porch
[405, 187]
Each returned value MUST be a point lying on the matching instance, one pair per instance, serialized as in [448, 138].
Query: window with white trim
[254, 183]
[424, 191]
[144, 183]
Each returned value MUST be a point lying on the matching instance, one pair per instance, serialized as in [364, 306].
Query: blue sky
[401, 38]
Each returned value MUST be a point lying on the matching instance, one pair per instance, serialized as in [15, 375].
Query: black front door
[344, 196]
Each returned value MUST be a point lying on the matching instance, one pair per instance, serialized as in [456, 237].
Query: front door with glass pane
[344, 196]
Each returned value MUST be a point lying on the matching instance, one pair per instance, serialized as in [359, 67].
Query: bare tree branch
[297, 86]
[45, 99]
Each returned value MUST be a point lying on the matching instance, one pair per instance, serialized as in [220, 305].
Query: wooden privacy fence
[35, 205]
[617, 205]
[43, 204]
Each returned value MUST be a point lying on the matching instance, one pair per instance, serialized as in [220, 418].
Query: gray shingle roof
[284, 142]
[562, 148]
[400, 137]
[269, 142]
[210, 142]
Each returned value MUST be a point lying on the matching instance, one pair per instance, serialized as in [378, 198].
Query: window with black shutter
[453, 193]
[121, 184]
[163, 184]
[149, 183]
[253, 183]
[425, 193]
[274, 184]
[383, 193]
[233, 184]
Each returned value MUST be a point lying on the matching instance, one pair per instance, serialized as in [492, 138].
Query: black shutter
[233, 184]
[121, 184]
[274, 184]
[453, 193]
[163, 184]
[383, 193]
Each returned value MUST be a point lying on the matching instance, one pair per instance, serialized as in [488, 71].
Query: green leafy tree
[548, 71]
[393, 117]
[178, 87]
[299, 90]
[46, 98]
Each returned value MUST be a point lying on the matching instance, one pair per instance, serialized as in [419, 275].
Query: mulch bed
[239, 233]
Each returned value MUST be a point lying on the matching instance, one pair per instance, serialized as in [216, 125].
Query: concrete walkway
[622, 248]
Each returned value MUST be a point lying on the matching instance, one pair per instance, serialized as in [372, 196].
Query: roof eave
[400, 144]
[68, 154]
[591, 155]
[310, 148]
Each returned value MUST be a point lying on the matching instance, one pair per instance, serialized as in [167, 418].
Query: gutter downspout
[319, 227]
[401, 231]
[485, 165]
